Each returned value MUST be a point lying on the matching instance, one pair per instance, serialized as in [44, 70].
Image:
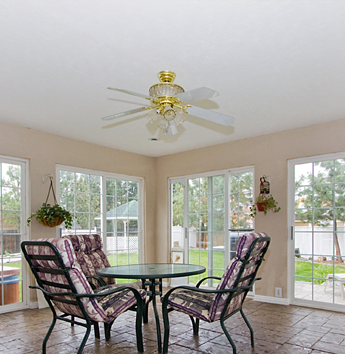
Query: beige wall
[44, 151]
[269, 154]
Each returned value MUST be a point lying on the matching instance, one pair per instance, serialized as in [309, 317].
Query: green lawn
[123, 259]
[201, 258]
[304, 269]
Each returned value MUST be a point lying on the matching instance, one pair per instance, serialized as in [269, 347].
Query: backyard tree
[177, 204]
[206, 204]
[80, 193]
[11, 198]
[321, 197]
[241, 198]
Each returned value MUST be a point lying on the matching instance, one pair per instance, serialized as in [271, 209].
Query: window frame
[184, 180]
[291, 231]
[25, 234]
[104, 175]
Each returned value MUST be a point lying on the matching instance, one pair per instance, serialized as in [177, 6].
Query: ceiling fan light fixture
[172, 129]
[152, 115]
[169, 113]
[163, 124]
[180, 117]
[169, 104]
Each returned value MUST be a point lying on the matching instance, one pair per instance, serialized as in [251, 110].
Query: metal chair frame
[71, 291]
[235, 291]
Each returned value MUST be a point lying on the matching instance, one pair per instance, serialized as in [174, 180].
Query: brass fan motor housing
[166, 87]
[166, 76]
[164, 93]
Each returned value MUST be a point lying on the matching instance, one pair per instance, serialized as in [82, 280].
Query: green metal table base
[151, 275]
[152, 293]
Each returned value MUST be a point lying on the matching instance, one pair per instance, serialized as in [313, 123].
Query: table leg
[146, 309]
[152, 297]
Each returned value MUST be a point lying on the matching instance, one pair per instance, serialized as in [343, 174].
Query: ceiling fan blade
[130, 92]
[211, 116]
[123, 114]
[197, 94]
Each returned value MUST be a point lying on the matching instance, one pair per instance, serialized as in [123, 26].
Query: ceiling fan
[170, 104]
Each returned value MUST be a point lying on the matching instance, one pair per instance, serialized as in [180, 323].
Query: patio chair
[227, 298]
[65, 287]
[91, 258]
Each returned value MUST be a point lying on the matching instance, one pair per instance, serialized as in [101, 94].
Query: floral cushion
[85, 243]
[90, 255]
[136, 285]
[114, 304]
[64, 247]
[191, 303]
[246, 240]
[231, 273]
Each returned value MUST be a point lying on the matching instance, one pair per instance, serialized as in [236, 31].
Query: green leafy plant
[267, 202]
[52, 216]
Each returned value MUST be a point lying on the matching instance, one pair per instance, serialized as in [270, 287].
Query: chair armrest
[99, 279]
[51, 294]
[109, 292]
[202, 280]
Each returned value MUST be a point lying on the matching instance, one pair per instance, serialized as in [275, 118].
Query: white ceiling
[277, 65]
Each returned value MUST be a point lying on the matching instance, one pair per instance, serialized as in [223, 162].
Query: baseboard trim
[13, 307]
[33, 305]
[272, 300]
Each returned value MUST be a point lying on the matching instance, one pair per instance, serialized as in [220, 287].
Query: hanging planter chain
[51, 188]
[57, 220]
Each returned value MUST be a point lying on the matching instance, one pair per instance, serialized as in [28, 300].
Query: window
[317, 218]
[107, 204]
[208, 214]
[13, 197]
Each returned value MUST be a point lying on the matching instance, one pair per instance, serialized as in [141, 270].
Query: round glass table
[151, 275]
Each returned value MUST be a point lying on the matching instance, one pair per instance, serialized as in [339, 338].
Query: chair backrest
[90, 255]
[55, 267]
[241, 271]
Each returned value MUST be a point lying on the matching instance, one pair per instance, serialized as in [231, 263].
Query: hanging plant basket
[56, 222]
[52, 215]
[261, 206]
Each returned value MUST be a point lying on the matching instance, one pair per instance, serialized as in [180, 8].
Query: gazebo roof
[124, 211]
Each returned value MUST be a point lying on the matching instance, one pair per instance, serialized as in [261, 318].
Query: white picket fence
[322, 242]
[122, 243]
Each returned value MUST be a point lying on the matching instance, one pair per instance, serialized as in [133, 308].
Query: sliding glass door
[12, 232]
[207, 224]
[208, 213]
[317, 221]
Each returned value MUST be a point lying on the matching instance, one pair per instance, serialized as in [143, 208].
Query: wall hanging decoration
[52, 215]
[265, 200]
